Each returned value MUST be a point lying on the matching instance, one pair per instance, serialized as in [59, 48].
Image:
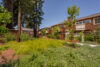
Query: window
[61, 26]
[87, 21]
[97, 20]
[80, 22]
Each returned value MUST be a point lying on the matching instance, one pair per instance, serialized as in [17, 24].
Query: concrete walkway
[91, 45]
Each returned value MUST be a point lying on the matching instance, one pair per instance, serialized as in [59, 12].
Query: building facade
[88, 24]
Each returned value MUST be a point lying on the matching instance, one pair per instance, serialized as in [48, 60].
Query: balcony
[80, 27]
[87, 26]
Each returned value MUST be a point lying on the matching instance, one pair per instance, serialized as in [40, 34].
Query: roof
[29, 29]
[90, 16]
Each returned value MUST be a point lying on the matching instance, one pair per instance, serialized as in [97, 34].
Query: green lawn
[52, 53]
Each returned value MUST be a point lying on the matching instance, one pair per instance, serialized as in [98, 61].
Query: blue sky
[55, 11]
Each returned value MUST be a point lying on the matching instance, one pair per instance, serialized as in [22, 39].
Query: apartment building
[87, 24]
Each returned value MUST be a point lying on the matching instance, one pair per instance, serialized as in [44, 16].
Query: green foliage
[56, 32]
[52, 53]
[62, 57]
[28, 47]
[5, 17]
[25, 37]
[10, 37]
[73, 13]
[3, 30]
[89, 37]
[50, 36]
[97, 35]
[78, 38]
[43, 32]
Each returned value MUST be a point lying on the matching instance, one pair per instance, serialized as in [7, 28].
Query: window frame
[95, 21]
[86, 20]
[78, 22]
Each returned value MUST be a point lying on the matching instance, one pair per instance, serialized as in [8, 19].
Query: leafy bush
[3, 30]
[25, 37]
[5, 17]
[10, 37]
[78, 38]
[43, 32]
[50, 36]
[89, 37]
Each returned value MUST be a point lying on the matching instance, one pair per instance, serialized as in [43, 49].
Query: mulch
[8, 55]
[2, 43]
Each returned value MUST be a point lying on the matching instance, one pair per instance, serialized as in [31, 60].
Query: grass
[52, 53]
[62, 57]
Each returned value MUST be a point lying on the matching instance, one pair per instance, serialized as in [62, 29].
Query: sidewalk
[91, 45]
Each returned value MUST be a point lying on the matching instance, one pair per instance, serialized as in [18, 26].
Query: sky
[55, 11]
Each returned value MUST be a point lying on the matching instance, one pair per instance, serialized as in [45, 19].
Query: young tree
[73, 13]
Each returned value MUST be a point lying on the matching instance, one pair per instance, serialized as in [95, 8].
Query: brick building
[87, 24]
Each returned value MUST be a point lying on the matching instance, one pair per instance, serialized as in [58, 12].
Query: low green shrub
[50, 36]
[25, 37]
[10, 37]
[89, 37]
[78, 38]
[27, 47]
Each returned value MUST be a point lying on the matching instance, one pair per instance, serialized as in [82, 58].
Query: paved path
[91, 45]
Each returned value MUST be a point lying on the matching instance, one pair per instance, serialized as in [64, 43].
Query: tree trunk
[19, 23]
[36, 28]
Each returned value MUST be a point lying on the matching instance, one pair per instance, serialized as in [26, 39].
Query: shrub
[10, 37]
[89, 37]
[28, 47]
[43, 32]
[3, 30]
[78, 38]
[5, 17]
[50, 36]
[25, 37]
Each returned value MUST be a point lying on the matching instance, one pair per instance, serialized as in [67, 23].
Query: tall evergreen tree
[35, 18]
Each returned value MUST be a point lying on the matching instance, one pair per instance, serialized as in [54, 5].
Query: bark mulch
[8, 56]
